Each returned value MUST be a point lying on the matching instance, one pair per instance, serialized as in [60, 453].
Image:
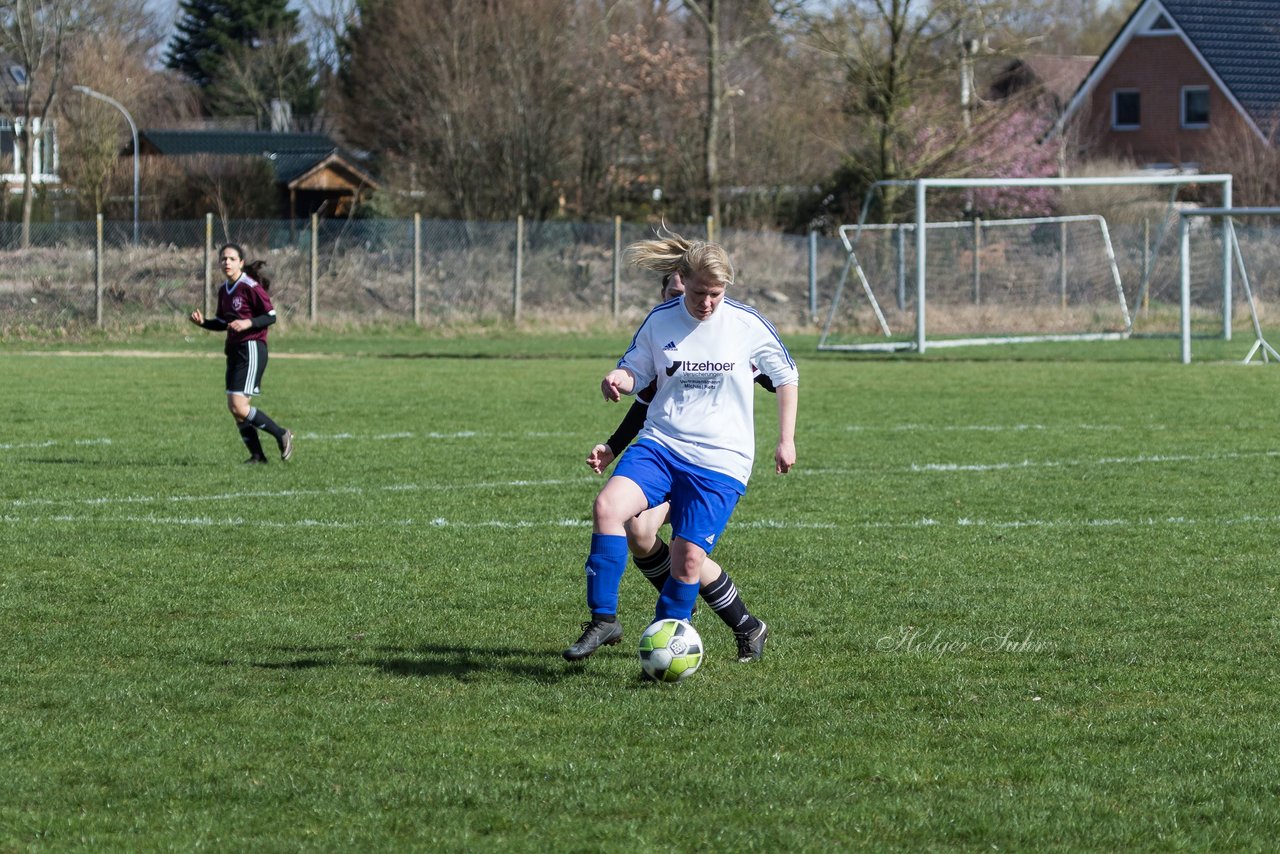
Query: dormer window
[19, 74]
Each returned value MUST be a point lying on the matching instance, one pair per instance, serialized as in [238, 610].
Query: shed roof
[292, 155]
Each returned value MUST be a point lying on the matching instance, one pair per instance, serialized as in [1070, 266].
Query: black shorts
[246, 363]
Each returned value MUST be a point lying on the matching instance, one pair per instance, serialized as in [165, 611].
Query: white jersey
[703, 409]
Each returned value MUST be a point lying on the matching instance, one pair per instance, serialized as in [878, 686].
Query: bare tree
[110, 53]
[908, 74]
[754, 22]
[35, 33]
[474, 101]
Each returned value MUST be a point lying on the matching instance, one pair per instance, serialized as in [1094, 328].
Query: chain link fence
[429, 272]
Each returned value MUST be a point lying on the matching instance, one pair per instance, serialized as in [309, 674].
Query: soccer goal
[1103, 265]
[1243, 233]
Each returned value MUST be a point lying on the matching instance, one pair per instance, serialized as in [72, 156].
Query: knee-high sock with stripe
[657, 566]
[722, 595]
[262, 421]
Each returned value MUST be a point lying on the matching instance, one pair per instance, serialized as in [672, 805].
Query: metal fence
[429, 272]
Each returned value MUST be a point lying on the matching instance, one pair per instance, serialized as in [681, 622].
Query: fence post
[813, 276]
[97, 275]
[515, 285]
[208, 263]
[617, 266]
[315, 268]
[417, 269]
[977, 260]
[900, 246]
[711, 229]
[1146, 262]
[1062, 264]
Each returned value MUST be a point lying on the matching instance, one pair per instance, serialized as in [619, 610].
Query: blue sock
[605, 565]
[677, 599]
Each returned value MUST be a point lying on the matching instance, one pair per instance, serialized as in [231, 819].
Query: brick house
[1177, 71]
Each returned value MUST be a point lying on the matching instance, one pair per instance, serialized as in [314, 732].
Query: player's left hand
[239, 325]
[784, 457]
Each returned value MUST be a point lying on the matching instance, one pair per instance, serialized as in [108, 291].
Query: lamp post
[133, 129]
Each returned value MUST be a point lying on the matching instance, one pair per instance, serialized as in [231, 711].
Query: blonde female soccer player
[698, 443]
[650, 552]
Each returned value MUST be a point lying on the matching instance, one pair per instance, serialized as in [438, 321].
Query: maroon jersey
[244, 298]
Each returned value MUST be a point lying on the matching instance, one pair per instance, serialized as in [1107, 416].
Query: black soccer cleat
[286, 445]
[751, 644]
[255, 460]
[595, 633]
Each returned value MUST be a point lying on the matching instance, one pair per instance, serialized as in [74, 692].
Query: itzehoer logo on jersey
[701, 368]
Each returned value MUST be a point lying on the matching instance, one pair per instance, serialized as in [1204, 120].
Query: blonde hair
[692, 259]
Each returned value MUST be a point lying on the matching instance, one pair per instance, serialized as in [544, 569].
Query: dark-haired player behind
[244, 313]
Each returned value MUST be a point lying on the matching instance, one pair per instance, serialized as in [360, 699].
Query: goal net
[1102, 264]
[1248, 235]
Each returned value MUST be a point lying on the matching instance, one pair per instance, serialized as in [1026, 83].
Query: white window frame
[1182, 108]
[1115, 123]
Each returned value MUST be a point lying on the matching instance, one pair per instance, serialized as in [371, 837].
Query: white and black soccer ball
[670, 650]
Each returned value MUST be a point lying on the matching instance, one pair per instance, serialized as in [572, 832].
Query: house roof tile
[1240, 40]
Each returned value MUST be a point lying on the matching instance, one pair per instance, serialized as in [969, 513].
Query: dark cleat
[595, 633]
[751, 644]
[286, 445]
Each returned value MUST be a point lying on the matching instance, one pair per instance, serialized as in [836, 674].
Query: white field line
[914, 468]
[1141, 459]
[383, 437]
[498, 524]
[993, 428]
[289, 493]
[52, 443]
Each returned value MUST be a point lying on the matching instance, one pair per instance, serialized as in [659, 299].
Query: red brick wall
[1158, 67]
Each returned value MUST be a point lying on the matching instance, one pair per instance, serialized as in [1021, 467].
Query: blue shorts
[701, 500]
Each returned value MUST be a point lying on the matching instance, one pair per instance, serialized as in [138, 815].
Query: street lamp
[85, 90]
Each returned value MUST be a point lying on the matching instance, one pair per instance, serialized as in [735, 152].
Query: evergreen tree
[243, 54]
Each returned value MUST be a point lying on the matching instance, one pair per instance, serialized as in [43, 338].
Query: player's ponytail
[254, 271]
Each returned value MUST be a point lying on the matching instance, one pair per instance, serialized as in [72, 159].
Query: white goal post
[1231, 244]
[1116, 324]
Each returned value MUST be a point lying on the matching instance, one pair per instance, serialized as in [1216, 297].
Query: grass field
[1016, 604]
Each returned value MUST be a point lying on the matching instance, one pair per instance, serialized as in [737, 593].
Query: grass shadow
[454, 661]
[459, 662]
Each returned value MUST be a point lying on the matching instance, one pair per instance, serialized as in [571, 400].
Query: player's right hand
[600, 457]
[196, 317]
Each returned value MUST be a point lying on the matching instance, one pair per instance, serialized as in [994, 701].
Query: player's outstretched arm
[784, 456]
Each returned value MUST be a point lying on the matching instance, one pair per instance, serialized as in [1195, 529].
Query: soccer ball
[670, 650]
